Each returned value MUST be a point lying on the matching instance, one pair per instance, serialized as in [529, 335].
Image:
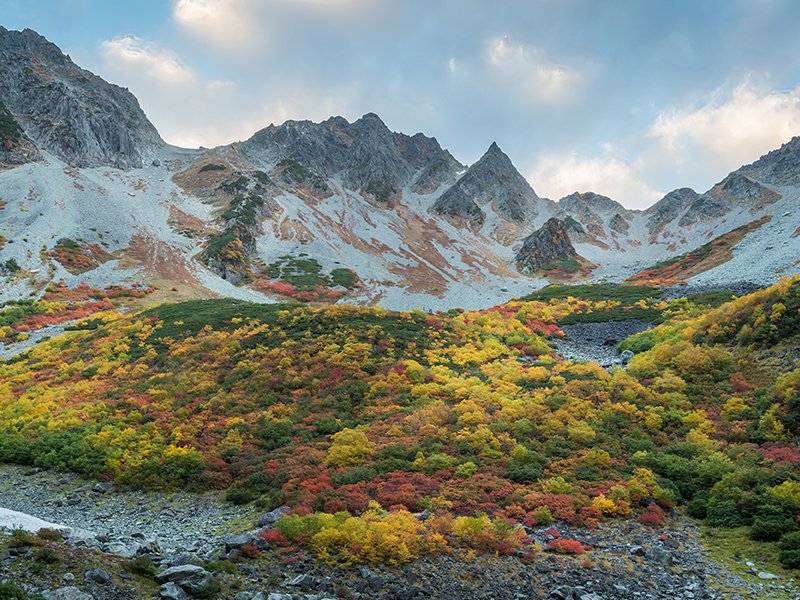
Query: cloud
[724, 134]
[228, 24]
[147, 58]
[242, 26]
[171, 92]
[526, 66]
[555, 176]
[693, 146]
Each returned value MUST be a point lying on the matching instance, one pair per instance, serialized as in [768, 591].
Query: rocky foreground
[143, 545]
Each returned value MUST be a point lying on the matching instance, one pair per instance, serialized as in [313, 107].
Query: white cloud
[555, 176]
[147, 58]
[527, 67]
[241, 26]
[228, 24]
[190, 111]
[688, 146]
[187, 110]
[726, 134]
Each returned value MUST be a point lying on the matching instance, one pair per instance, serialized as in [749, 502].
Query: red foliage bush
[562, 546]
[249, 551]
[653, 516]
[273, 537]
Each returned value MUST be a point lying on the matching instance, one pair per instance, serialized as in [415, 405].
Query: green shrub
[211, 167]
[790, 550]
[141, 565]
[723, 513]
[9, 591]
[770, 523]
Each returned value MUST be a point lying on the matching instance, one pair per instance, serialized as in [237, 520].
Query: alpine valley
[331, 361]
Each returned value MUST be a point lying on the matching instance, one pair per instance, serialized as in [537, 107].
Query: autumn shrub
[653, 516]
[566, 546]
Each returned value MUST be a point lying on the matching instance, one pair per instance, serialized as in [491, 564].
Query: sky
[627, 98]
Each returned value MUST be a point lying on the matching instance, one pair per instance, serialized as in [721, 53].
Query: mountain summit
[336, 210]
[68, 111]
[492, 181]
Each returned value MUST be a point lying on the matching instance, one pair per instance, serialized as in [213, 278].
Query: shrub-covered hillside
[328, 409]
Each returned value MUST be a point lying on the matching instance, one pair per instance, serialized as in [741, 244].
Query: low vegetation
[356, 417]
[302, 278]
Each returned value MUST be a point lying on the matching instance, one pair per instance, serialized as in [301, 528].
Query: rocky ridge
[549, 243]
[493, 180]
[69, 111]
[398, 211]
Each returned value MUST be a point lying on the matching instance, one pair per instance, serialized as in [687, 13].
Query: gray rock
[235, 542]
[492, 180]
[103, 487]
[185, 558]
[171, 591]
[98, 576]
[766, 575]
[70, 112]
[120, 549]
[272, 516]
[190, 577]
[67, 593]
[304, 581]
[659, 555]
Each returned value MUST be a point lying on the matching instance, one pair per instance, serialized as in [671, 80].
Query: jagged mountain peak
[578, 200]
[69, 111]
[492, 180]
[778, 167]
[366, 153]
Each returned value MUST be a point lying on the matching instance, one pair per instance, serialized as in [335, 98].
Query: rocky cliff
[493, 180]
[367, 156]
[68, 111]
[544, 246]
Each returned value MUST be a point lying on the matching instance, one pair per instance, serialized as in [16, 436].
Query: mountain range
[90, 193]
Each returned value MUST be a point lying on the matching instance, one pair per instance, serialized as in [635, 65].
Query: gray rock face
[15, 147]
[546, 244]
[492, 180]
[736, 190]
[779, 167]
[189, 577]
[368, 156]
[669, 208]
[618, 224]
[68, 111]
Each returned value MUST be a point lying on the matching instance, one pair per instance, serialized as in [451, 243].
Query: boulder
[185, 558]
[235, 542]
[303, 581]
[171, 591]
[190, 577]
[98, 576]
[120, 549]
[659, 555]
[272, 516]
[67, 593]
